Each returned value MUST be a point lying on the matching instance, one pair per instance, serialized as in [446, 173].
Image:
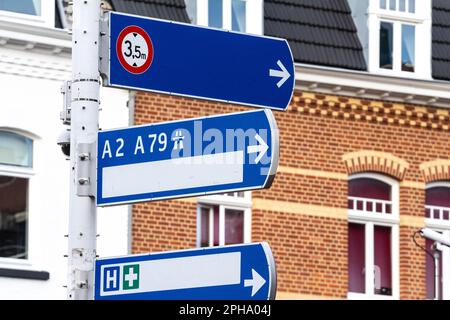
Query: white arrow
[262, 148]
[283, 74]
[256, 282]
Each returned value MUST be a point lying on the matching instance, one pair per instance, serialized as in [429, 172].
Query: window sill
[24, 274]
[22, 17]
[363, 296]
[390, 219]
[439, 224]
[401, 74]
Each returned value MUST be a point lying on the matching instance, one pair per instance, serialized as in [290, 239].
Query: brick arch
[436, 170]
[374, 161]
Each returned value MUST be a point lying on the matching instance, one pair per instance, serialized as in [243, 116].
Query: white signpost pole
[83, 140]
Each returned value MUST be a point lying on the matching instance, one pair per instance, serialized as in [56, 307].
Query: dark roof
[441, 39]
[320, 32]
[162, 9]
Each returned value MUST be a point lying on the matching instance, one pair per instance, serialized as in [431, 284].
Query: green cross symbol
[131, 277]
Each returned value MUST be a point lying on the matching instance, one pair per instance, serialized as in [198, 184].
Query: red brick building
[364, 151]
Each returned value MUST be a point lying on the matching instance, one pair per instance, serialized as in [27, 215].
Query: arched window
[16, 154]
[369, 195]
[437, 217]
[373, 237]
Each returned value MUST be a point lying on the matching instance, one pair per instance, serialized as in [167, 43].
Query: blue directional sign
[237, 272]
[188, 60]
[201, 156]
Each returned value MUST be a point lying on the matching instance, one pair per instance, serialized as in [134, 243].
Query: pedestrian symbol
[131, 277]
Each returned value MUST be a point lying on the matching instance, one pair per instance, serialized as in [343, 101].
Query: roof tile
[162, 9]
[441, 39]
[319, 31]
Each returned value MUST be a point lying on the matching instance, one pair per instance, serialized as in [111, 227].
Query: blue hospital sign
[242, 272]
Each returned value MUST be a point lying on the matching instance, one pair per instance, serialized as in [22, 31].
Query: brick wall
[163, 225]
[310, 252]
[303, 215]
[412, 266]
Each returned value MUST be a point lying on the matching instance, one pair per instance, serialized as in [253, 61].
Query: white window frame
[46, 19]
[254, 15]
[444, 227]
[224, 202]
[370, 220]
[33, 242]
[421, 19]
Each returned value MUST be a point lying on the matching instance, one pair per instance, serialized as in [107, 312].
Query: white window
[224, 219]
[36, 12]
[16, 175]
[437, 217]
[400, 38]
[373, 233]
[237, 15]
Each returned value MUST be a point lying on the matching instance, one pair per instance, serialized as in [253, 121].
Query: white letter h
[111, 278]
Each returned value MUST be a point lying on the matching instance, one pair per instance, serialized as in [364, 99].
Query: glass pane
[412, 6]
[13, 217]
[204, 231]
[383, 263]
[382, 4]
[379, 207]
[408, 47]
[439, 196]
[392, 4]
[436, 214]
[234, 226]
[191, 8]
[215, 14]
[446, 215]
[216, 226]
[359, 205]
[388, 208]
[356, 258]
[15, 149]
[238, 15]
[350, 204]
[32, 7]
[386, 41]
[369, 188]
[430, 269]
[402, 5]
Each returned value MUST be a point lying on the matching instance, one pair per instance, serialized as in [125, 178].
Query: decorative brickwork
[372, 111]
[366, 161]
[436, 170]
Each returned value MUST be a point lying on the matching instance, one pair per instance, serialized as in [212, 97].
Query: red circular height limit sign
[134, 49]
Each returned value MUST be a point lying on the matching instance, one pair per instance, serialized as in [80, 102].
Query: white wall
[30, 100]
